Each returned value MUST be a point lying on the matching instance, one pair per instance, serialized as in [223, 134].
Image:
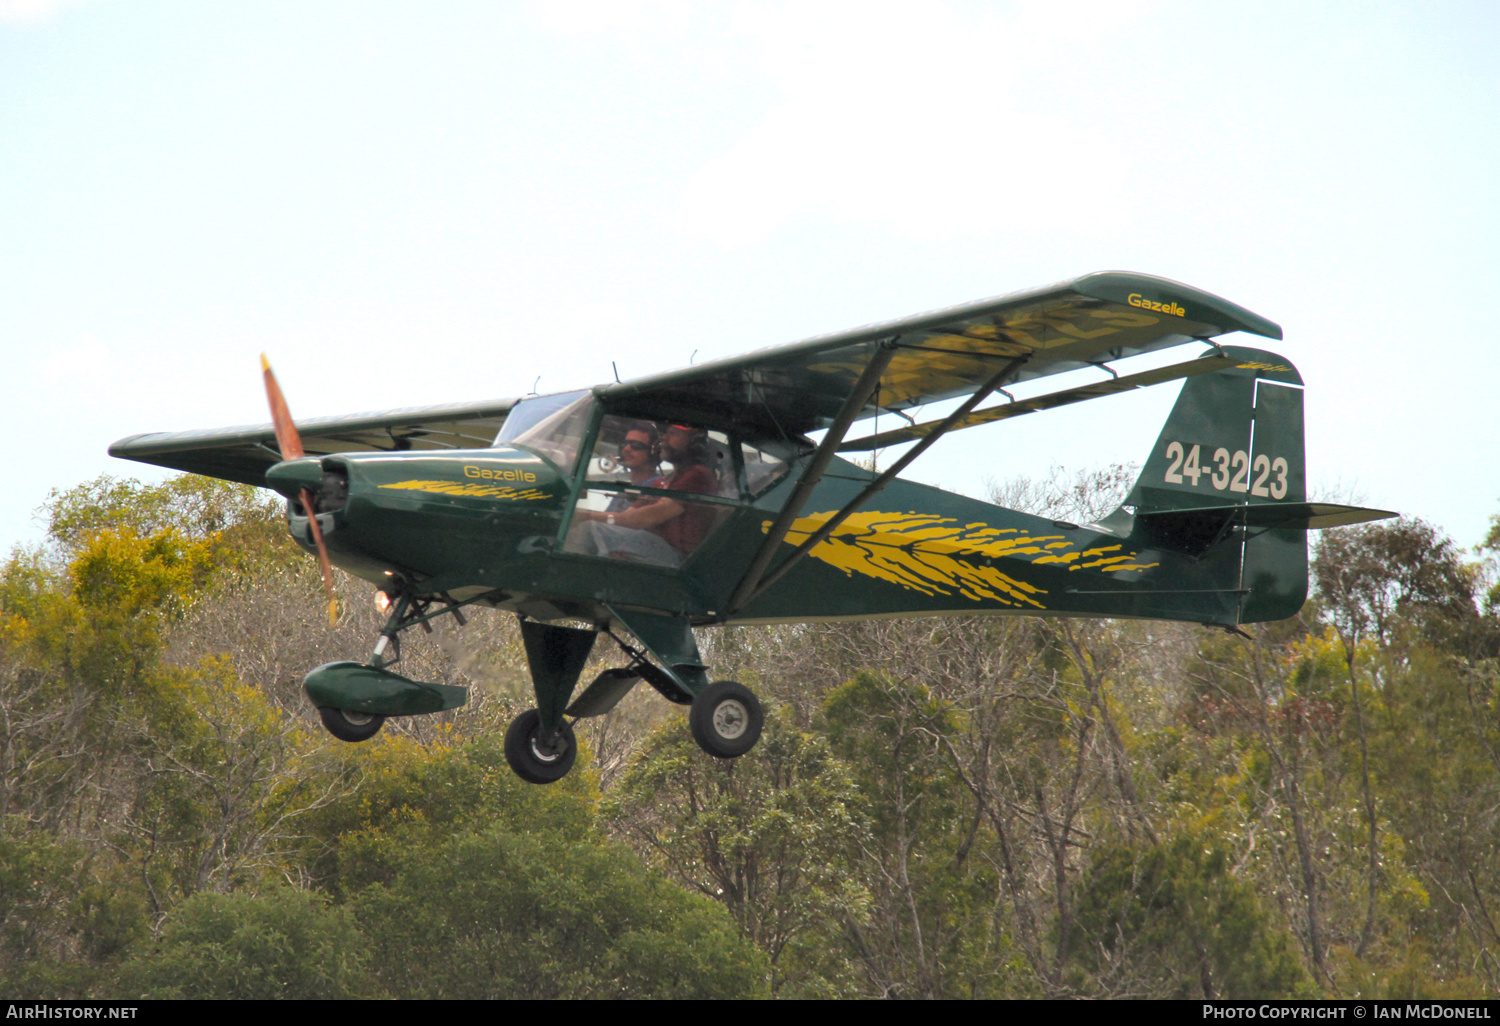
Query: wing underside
[1050, 401]
[245, 453]
[803, 387]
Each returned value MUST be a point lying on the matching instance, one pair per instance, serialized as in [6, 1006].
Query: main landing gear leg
[540, 745]
[725, 718]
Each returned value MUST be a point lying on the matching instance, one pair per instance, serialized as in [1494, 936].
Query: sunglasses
[635, 445]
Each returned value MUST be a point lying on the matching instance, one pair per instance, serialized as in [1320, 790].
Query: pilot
[658, 529]
[640, 455]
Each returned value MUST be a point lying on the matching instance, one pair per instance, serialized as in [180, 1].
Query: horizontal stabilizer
[1310, 516]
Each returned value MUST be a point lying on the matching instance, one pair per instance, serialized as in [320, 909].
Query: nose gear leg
[556, 656]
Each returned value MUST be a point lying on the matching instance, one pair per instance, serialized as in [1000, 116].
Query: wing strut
[867, 385]
[751, 589]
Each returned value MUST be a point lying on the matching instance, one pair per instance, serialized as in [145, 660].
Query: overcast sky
[410, 203]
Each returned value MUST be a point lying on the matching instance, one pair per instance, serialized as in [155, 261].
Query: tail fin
[1226, 485]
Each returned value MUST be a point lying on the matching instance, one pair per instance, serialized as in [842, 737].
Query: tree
[519, 913]
[771, 835]
[469, 883]
[931, 929]
[1377, 578]
[1170, 920]
[66, 914]
[280, 943]
[195, 507]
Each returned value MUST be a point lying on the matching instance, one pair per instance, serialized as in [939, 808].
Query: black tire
[347, 725]
[532, 761]
[726, 719]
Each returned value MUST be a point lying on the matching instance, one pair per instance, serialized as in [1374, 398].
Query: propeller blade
[287, 439]
[323, 564]
[290, 444]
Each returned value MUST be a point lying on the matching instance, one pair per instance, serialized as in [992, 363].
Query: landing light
[382, 601]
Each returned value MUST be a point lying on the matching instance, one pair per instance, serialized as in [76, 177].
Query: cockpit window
[633, 451]
[552, 426]
[657, 491]
[764, 465]
[627, 451]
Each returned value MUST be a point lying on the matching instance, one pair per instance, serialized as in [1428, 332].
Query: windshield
[551, 426]
[526, 413]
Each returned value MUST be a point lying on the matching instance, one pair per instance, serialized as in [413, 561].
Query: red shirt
[686, 531]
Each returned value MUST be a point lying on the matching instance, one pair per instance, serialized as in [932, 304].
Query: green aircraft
[647, 508]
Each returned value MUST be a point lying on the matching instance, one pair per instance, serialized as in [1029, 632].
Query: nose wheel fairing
[359, 688]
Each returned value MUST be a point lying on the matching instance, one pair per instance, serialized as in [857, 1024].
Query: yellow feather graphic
[469, 491]
[939, 556]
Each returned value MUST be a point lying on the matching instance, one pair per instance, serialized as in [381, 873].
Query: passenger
[658, 529]
[687, 450]
[640, 454]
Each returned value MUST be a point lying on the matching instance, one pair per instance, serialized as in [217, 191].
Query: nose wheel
[534, 757]
[726, 719]
[348, 725]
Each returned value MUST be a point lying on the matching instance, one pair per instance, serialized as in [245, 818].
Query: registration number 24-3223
[1229, 470]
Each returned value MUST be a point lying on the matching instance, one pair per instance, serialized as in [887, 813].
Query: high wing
[245, 453]
[944, 354]
[805, 386]
[970, 350]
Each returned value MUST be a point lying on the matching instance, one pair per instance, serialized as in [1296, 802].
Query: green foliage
[61, 918]
[100, 622]
[281, 943]
[932, 893]
[1377, 578]
[891, 735]
[411, 795]
[25, 580]
[525, 912]
[469, 883]
[1171, 920]
[195, 507]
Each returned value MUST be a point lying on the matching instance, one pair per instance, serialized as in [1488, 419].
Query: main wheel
[348, 725]
[726, 719]
[533, 760]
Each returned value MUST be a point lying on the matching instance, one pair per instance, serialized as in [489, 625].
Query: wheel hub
[358, 719]
[730, 719]
[548, 753]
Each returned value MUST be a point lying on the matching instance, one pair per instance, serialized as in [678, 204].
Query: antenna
[693, 357]
[534, 384]
[617, 371]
